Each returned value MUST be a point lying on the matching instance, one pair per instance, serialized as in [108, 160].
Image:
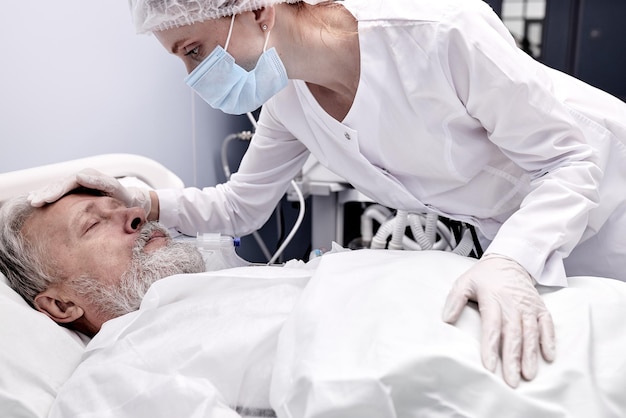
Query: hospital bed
[348, 334]
[129, 166]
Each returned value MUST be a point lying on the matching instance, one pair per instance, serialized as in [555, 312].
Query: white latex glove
[512, 313]
[92, 179]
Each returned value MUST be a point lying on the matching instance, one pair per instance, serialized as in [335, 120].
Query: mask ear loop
[267, 38]
[230, 32]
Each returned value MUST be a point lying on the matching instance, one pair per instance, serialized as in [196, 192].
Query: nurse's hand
[92, 179]
[513, 316]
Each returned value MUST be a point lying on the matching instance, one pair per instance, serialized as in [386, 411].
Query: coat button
[347, 135]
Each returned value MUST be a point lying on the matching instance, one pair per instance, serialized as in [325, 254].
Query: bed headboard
[117, 165]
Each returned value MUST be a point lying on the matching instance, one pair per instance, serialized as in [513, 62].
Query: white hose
[430, 227]
[380, 239]
[425, 229]
[447, 241]
[409, 244]
[466, 245]
[252, 120]
[415, 223]
[244, 136]
[399, 228]
[448, 236]
[375, 212]
[295, 226]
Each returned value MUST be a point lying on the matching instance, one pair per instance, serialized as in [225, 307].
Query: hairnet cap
[156, 15]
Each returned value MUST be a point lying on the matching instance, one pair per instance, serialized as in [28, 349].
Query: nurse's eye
[193, 52]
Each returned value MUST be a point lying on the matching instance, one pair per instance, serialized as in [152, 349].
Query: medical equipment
[295, 191]
[429, 233]
[218, 251]
[395, 230]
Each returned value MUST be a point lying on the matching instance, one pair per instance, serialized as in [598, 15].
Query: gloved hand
[512, 313]
[92, 179]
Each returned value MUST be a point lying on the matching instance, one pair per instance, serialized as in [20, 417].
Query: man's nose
[135, 218]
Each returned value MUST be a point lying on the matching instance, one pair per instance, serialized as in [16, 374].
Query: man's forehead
[68, 204]
[57, 216]
[46, 218]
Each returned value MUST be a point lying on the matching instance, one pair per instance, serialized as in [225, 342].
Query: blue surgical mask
[224, 85]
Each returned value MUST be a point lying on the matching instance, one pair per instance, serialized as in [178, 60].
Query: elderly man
[87, 258]
[192, 342]
[350, 334]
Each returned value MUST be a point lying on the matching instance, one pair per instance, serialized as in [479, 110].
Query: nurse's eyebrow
[176, 46]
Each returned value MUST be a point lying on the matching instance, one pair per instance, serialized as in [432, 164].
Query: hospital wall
[76, 80]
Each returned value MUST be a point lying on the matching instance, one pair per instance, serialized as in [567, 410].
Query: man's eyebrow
[79, 216]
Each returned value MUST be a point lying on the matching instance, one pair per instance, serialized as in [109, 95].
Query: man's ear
[58, 306]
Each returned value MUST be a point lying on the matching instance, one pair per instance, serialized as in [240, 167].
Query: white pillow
[36, 357]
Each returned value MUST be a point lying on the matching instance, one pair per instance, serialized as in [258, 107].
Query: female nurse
[422, 106]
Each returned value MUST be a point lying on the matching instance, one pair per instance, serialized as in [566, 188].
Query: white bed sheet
[201, 345]
[365, 339]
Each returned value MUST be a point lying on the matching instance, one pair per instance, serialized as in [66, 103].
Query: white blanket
[363, 339]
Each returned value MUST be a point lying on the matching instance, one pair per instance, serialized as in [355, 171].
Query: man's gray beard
[113, 300]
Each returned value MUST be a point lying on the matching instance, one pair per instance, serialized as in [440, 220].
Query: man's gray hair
[22, 262]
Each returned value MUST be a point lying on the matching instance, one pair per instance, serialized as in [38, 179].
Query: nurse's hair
[157, 15]
[21, 261]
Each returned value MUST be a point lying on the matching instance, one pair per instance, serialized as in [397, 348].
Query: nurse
[422, 106]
